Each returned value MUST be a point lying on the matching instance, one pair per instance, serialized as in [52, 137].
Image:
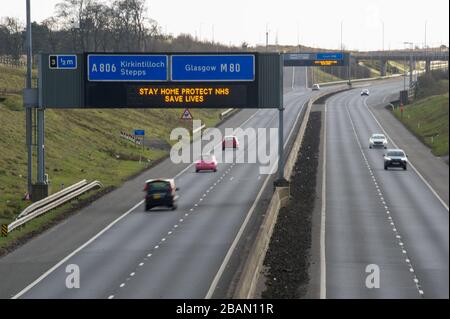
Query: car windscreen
[159, 186]
[378, 137]
[396, 154]
[207, 158]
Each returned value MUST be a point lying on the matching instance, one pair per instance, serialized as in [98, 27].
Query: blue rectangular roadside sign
[139, 132]
[62, 61]
[330, 56]
[213, 68]
[127, 68]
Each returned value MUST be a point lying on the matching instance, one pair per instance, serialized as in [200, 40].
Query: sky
[308, 22]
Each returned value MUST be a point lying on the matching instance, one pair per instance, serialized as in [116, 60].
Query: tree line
[94, 26]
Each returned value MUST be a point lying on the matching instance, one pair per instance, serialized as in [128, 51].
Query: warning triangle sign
[186, 115]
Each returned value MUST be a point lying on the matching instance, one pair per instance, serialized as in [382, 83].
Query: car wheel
[405, 168]
[385, 147]
[385, 168]
[174, 206]
[196, 170]
[370, 146]
[215, 170]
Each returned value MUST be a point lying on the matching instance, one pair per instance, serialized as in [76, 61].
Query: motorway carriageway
[390, 219]
[155, 254]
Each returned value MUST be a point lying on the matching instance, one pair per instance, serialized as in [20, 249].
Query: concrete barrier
[248, 280]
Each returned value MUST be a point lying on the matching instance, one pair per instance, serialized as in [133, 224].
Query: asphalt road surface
[375, 219]
[155, 254]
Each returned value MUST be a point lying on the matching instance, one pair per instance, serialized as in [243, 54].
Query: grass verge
[428, 120]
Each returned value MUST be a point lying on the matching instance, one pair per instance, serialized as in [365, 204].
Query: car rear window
[158, 186]
[396, 153]
[207, 158]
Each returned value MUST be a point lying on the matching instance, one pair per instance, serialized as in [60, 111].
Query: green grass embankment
[428, 120]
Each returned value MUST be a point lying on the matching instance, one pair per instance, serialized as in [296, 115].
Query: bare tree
[14, 29]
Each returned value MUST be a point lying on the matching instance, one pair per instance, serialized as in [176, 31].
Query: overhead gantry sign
[163, 80]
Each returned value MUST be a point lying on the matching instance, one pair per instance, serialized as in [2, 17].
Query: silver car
[378, 140]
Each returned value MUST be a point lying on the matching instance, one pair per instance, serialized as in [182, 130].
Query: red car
[230, 142]
[206, 163]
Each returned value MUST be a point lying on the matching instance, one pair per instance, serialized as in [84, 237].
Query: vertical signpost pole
[29, 110]
[40, 132]
[281, 126]
[350, 69]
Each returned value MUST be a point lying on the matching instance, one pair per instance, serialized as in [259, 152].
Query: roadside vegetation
[428, 116]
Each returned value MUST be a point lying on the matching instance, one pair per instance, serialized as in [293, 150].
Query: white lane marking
[410, 163]
[323, 265]
[48, 272]
[132, 274]
[149, 255]
[157, 246]
[111, 297]
[141, 264]
[122, 285]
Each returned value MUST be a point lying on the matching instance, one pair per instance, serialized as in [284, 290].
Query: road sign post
[140, 133]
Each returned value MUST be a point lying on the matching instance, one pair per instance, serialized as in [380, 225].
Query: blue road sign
[60, 61]
[127, 68]
[213, 68]
[330, 56]
[139, 132]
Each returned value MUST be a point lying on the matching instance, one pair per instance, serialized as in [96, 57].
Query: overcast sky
[311, 22]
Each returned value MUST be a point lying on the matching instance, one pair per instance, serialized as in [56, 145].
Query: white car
[316, 87]
[378, 140]
[365, 92]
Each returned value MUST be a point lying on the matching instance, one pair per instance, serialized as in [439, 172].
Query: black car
[160, 193]
[395, 158]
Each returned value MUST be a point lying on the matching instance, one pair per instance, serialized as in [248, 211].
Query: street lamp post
[29, 110]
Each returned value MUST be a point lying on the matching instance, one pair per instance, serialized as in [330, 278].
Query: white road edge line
[48, 272]
[227, 258]
[410, 163]
[323, 264]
